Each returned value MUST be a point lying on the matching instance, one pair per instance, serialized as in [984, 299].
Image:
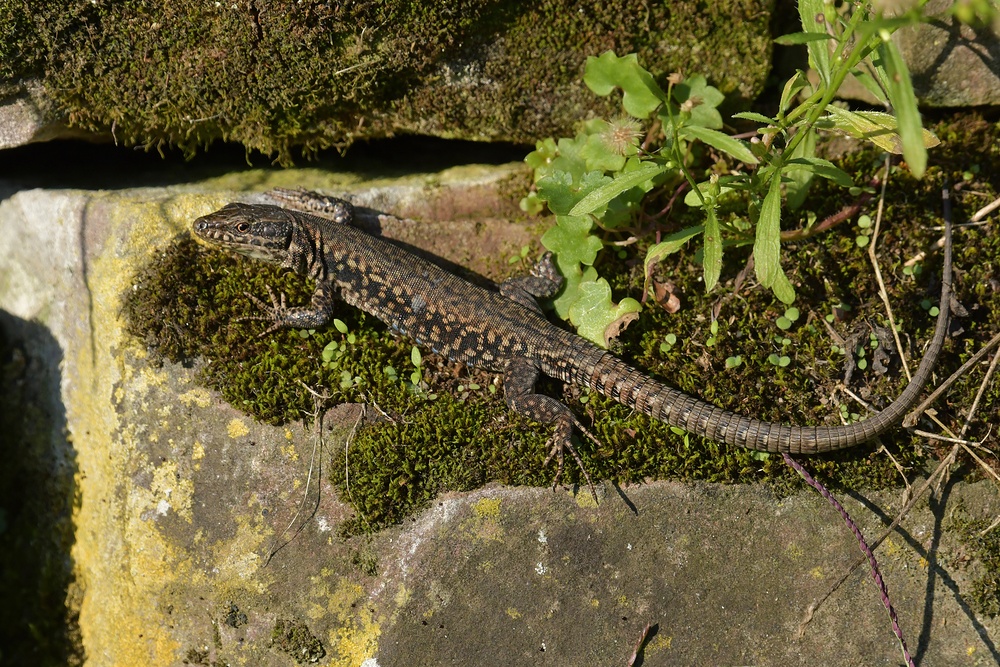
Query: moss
[298, 641]
[21, 53]
[981, 545]
[366, 560]
[450, 445]
[465, 437]
[283, 77]
[191, 303]
[550, 43]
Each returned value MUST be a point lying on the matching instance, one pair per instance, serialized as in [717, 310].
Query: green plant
[785, 321]
[595, 182]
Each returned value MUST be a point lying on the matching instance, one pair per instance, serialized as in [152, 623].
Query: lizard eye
[243, 227]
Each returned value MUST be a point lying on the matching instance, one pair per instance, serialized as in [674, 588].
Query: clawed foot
[301, 199]
[274, 313]
[560, 443]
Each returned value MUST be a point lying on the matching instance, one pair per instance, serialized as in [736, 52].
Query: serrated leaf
[640, 94]
[874, 126]
[704, 113]
[782, 288]
[574, 275]
[797, 187]
[697, 86]
[532, 204]
[596, 317]
[600, 156]
[869, 83]
[791, 89]
[545, 151]
[713, 249]
[904, 103]
[600, 196]
[622, 208]
[723, 142]
[567, 158]
[570, 239]
[668, 246]
[794, 38]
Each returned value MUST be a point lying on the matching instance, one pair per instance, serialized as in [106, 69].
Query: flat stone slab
[199, 537]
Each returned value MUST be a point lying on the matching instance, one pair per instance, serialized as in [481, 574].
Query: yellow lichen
[487, 508]
[171, 491]
[237, 428]
[198, 397]
[660, 642]
[238, 558]
[484, 525]
[584, 500]
[355, 639]
[403, 596]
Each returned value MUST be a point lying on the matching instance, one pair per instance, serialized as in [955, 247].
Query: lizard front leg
[316, 314]
[519, 392]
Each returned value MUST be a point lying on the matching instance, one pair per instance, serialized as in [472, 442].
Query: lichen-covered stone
[197, 531]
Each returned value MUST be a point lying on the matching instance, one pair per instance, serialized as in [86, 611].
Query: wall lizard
[502, 330]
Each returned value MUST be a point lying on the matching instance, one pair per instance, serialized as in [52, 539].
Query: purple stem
[876, 575]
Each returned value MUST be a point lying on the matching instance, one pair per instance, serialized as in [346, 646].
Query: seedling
[668, 342]
[785, 321]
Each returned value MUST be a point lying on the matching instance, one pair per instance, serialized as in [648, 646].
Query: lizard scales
[503, 331]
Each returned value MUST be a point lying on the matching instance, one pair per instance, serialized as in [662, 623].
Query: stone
[197, 535]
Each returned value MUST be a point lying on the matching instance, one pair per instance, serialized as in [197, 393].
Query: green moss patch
[298, 641]
[283, 77]
[981, 550]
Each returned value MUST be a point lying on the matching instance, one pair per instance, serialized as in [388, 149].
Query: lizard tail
[617, 380]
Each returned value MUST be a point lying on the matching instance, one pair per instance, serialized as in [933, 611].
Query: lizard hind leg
[308, 201]
[561, 442]
[519, 392]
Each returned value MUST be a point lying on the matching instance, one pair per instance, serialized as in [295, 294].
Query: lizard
[503, 330]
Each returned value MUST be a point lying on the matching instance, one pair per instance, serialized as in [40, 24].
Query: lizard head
[261, 232]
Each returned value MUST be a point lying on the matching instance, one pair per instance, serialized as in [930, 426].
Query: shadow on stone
[38, 622]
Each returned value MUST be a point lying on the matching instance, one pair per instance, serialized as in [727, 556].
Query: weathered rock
[952, 64]
[182, 499]
[24, 120]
